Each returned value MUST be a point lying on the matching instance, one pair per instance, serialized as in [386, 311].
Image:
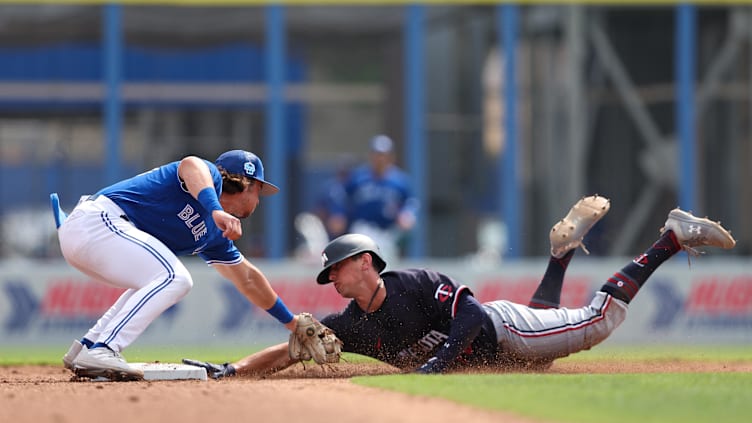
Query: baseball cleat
[103, 362]
[691, 231]
[569, 232]
[72, 353]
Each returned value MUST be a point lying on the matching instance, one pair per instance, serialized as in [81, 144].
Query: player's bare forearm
[249, 280]
[252, 283]
[264, 362]
[195, 173]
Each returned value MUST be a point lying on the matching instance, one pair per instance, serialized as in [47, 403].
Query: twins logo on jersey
[443, 292]
[641, 260]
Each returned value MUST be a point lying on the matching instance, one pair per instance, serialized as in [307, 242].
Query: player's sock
[625, 283]
[101, 345]
[86, 342]
[548, 294]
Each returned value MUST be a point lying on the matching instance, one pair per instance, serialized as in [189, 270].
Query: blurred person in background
[377, 201]
[311, 225]
[333, 194]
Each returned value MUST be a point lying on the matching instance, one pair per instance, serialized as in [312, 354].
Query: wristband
[208, 199]
[280, 312]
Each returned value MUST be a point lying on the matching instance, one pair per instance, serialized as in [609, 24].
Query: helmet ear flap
[378, 262]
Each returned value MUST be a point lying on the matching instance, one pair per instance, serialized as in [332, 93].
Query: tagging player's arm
[252, 283]
[264, 362]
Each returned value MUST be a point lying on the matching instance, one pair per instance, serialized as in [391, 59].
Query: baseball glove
[312, 340]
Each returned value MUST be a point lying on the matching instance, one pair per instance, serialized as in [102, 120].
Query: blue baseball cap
[381, 144]
[240, 162]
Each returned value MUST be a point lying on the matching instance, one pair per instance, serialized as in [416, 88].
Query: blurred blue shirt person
[377, 201]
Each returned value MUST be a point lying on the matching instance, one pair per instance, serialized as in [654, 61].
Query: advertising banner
[49, 302]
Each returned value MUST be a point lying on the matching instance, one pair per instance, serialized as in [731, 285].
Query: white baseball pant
[97, 240]
[542, 335]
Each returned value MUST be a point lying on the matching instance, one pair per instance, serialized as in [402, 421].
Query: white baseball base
[170, 371]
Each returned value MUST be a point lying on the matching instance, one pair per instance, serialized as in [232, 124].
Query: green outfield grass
[584, 398]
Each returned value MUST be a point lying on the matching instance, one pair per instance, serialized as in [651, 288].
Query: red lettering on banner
[703, 296]
[488, 290]
[58, 298]
[71, 297]
[714, 295]
[521, 291]
[96, 298]
[307, 295]
[576, 291]
[739, 295]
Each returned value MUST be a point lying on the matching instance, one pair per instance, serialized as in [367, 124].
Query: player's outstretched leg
[682, 230]
[566, 235]
[691, 231]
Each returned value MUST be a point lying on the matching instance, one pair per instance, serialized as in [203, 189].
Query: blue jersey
[158, 203]
[374, 199]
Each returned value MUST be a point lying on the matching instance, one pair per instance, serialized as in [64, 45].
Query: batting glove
[215, 371]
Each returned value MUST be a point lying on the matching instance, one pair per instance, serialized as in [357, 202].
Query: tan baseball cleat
[569, 232]
[692, 231]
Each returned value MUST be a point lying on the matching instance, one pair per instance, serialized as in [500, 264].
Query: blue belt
[95, 196]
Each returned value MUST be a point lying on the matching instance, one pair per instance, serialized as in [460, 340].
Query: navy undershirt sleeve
[465, 326]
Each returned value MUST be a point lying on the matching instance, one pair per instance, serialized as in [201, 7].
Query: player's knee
[183, 283]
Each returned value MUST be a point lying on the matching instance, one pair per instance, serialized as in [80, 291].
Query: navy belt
[95, 196]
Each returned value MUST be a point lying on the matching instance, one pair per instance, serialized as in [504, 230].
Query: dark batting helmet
[346, 246]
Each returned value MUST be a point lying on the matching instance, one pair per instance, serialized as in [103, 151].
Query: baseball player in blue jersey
[130, 235]
[423, 321]
[377, 200]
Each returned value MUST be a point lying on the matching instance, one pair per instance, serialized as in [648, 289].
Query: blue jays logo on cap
[250, 169]
[241, 162]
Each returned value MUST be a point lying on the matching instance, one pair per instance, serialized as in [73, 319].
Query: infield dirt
[48, 394]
